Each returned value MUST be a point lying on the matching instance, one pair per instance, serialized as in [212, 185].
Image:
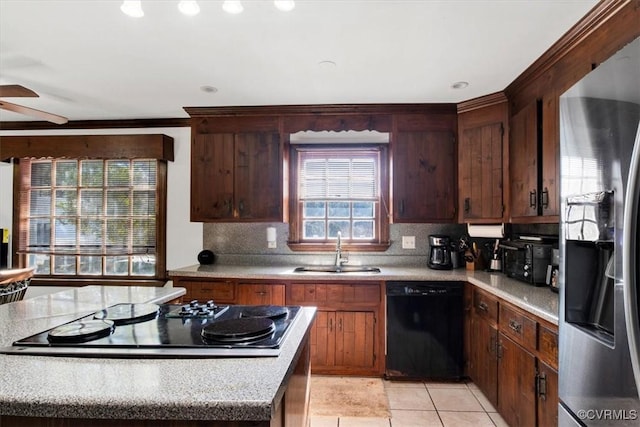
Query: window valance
[150, 146]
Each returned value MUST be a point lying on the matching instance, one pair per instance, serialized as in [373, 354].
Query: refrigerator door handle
[629, 256]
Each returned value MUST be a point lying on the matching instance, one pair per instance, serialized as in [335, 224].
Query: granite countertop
[540, 301]
[44, 386]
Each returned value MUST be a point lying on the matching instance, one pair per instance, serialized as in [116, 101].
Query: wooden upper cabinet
[258, 180]
[482, 152]
[424, 172]
[550, 186]
[236, 177]
[523, 162]
[534, 156]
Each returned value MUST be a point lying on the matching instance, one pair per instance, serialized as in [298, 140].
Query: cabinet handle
[542, 386]
[532, 198]
[340, 324]
[261, 293]
[483, 306]
[330, 325]
[401, 207]
[467, 205]
[241, 206]
[499, 350]
[544, 198]
[229, 206]
[515, 326]
[491, 349]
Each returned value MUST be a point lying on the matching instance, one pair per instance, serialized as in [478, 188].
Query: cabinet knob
[467, 205]
[515, 326]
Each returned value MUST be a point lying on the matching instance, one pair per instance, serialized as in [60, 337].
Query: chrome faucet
[339, 259]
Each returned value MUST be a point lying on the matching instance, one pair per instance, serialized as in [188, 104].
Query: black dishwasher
[424, 330]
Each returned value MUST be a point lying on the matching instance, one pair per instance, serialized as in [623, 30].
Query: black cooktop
[167, 330]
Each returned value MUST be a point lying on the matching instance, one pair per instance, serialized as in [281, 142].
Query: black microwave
[526, 261]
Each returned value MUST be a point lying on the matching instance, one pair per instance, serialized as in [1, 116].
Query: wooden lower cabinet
[260, 294]
[547, 395]
[343, 340]
[516, 384]
[354, 339]
[512, 358]
[347, 336]
[483, 358]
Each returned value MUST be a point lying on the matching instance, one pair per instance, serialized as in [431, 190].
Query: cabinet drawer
[548, 345]
[217, 291]
[518, 326]
[485, 305]
[332, 293]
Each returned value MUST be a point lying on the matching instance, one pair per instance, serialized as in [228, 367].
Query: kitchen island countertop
[540, 301]
[245, 389]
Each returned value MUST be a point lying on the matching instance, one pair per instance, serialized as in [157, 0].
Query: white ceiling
[89, 61]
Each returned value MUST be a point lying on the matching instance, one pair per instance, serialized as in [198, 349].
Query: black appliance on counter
[167, 330]
[528, 259]
[424, 330]
[440, 252]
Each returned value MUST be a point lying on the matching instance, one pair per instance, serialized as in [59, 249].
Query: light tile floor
[426, 404]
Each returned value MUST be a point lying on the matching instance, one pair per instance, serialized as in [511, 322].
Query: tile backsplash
[239, 243]
[246, 243]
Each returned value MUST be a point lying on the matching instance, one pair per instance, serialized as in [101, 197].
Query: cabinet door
[481, 172]
[549, 196]
[260, 294]
[483, 360]
[323, 341]
[258, 187]
[355, 346]
[547, 395]
[523, 162]
[516, 379]
[212, 176]
[424, 178]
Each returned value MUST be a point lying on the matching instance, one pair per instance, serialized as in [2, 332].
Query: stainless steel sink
[336, 269]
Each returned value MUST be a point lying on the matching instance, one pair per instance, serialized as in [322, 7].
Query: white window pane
[66, 202]
[64, 265]
[363, 229]
[117, 265]
[91, 202]
[118, 173]
[40, 203]
[314, 229]
[66, 173]
[92, 173]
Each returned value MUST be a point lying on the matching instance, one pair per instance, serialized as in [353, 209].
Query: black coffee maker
[440, 252]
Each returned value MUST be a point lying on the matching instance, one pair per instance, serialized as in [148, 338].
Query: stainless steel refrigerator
[599, 364]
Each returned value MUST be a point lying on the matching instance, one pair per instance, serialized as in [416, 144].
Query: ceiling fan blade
[10, 91]
[53, 118]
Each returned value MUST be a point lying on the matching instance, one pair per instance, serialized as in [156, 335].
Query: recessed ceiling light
[132, 8]
[189, 7]
[326, 64]
[285, 5]
[208, 89]
[460, 85]
[232, 6]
